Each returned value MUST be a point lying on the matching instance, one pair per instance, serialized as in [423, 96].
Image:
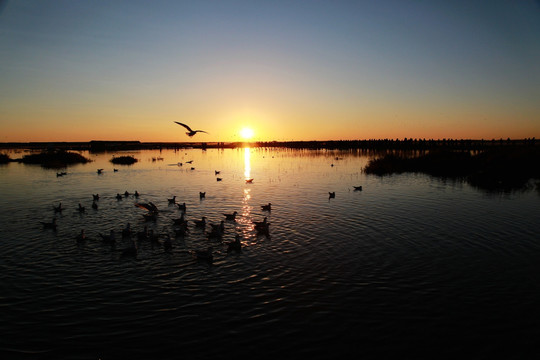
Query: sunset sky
[288, 70]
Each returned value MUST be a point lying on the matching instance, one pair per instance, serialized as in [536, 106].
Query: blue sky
[291, 70]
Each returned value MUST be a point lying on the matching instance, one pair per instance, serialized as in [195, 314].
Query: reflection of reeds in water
[503, 169]
[4, 159]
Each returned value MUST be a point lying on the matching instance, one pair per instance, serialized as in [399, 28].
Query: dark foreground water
[410, 266]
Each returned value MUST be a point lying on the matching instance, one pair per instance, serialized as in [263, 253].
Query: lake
[409, 266]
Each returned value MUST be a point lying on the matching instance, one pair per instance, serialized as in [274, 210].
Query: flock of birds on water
[181, 227]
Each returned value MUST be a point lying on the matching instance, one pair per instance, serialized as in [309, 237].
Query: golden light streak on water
[247, 163]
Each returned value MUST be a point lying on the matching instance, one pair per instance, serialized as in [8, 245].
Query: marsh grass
[55, 159]
[124, 160]
[501, 169]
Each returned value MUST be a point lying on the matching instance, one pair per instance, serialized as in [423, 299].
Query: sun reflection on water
[247, 163]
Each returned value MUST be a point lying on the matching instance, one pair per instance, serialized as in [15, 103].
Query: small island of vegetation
[55, 159]
[498, 169]
[124, 160]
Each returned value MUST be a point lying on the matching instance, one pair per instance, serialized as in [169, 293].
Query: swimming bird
[189, 162]
[200, 223]
[126, 232]
[261, 223]
[126, 193]
[249, 181]
[51, 225]
[190, 132]
[167, 244]
[204, 254]
[235, 245]
[136, 194]
[182, 230]
[217, 230]
[231, 216]
[96, 197]
[58, 208]
[267, 207]
[81, 237]
[108, 239]
[202, 195]
[263, 229]
[179, 221]
[118, 196]
[182, 207]
[99, 171]
[143, 235]
[81, 208]
[173, 200]
[115, 170]
[219, 179]
[331, 195]
[217, 172]
[357, 188]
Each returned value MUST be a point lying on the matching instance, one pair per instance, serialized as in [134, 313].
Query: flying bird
[190, 132]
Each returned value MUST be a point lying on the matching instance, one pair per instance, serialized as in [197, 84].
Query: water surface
[409, 265]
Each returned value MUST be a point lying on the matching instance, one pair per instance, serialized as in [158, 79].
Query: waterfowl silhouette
[182, 207]
[190, 132]
[58, 208]
[143, 235]
[267, 207]
[173, 200]
[189, 162]
[182, 230]
[94, 205]
[200, 223]
[235, 245]
[108, 239]
[81, 237]
[192, 168]
[167, 243]
[118, 196]
[231, 216]
[249, 181]
[81, 208]
[261, 223]
[99, 171]
[136, 194]
[331, 195]
[217, 230]
[96, 197]
[202, 195]
[217, 172]
[126, 193]
[219, 179]
[148, 206]
[179, 221]
[126, 232]
[205, 255]
[357, 188]
[50, 225]
[115, 170]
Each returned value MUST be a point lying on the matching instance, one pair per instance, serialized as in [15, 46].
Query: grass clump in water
[124, 160]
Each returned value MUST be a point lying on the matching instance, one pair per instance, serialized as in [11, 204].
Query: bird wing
[201, 131]
[150, 207]
[184, 125]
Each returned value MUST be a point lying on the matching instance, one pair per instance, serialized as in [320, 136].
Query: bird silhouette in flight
[190, 132]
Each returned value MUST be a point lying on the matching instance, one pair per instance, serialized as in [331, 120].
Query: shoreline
[382, 144]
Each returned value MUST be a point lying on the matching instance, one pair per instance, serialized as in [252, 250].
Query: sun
[247, 133]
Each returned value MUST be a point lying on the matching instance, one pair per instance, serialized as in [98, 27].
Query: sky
[288, 70]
